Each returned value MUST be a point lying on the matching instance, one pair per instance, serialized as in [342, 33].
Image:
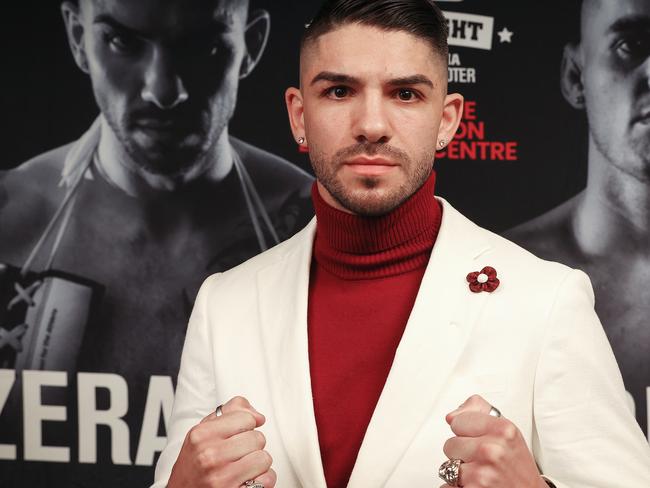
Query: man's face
[616, 77]
[165, 74]
[373, 102]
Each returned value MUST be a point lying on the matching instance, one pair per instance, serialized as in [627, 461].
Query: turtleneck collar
[355, 247]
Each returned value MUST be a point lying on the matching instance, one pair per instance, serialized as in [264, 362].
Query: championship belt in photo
[43, 317]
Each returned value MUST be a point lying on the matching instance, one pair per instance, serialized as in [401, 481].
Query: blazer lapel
[438, 328]
[283, 291]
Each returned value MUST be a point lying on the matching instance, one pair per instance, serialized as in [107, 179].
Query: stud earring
[580, 99]
[301, 140]
[442, 143]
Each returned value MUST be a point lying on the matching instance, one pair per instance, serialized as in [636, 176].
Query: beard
[372, 200]
[175, 152]
[628, 151]
[171, 154]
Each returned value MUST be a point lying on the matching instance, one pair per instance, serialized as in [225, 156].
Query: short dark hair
[421, 18]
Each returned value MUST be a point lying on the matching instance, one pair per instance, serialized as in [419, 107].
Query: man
[362, 334]
[605, 229]
[153, 198]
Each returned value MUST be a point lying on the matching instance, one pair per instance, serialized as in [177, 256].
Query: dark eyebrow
[631, 23]
[107, 19]
[220, 24]
[334, 78]
[411, 80]
[341, 78]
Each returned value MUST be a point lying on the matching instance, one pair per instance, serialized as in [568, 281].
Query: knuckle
[248, 420]
[247, 441]
[205, 460]
[484, 452]
[458, 422]
[273, 478]
[475, 399]
[508, 431]
[491, 453]
[194, 436]
[485, 477]
[245, 420]
[268, 479]
[265, 459]
[240, 401]
[260, 439]
[447, 446]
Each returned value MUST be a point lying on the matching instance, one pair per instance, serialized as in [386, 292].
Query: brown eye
[406, 95]
[340, 91]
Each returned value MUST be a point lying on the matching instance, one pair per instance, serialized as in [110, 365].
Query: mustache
[372, 149]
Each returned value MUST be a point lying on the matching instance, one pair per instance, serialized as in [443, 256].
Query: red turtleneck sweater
[365, 276]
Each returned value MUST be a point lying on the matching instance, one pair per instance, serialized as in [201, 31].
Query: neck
[121, 171]
[613, 214]
[355, 247]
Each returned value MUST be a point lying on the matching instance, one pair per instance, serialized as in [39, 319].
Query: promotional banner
[554, 149]
[146, 146]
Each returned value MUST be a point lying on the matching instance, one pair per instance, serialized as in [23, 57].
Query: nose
[371, 121]
[163, 85]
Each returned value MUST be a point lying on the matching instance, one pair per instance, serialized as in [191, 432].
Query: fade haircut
[421, 18]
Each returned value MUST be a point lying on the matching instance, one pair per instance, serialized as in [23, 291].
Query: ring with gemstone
[253, 484]
[449, 471]
[495, 412]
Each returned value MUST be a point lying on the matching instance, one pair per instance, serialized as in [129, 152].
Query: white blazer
[534, 348]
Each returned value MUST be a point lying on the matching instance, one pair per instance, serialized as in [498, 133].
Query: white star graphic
[505, 35]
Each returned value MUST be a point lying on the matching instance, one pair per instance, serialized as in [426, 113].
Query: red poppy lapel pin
[484, 280]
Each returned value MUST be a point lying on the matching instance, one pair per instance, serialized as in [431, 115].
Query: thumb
[239, 403]
[475, 403]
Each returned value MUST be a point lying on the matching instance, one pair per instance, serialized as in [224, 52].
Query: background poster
[522, 150]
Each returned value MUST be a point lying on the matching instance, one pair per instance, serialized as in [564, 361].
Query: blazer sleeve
[196, 390]
[585, 435]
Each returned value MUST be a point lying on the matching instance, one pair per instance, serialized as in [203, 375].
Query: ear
[295, 109]
[571, 77]
[75, 30]
[452, 113]
[256, 37]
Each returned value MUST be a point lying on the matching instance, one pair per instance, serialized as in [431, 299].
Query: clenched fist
[224, 451]
[492, 449]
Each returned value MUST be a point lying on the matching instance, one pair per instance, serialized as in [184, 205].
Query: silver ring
[449, 471]
[253, 484]
[495, 412]
[218, 411]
